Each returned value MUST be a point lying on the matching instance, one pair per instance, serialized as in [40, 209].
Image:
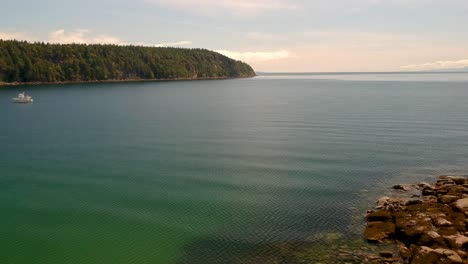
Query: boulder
[423, 185]
[428, 191]
[459, 180]
[405, 252]
[448, 199]
[431, 238]
[449, 255]
[379, 216]
[462, 204]
[426, 255]
[442, 222]
[377, 231]
[457, 190]
[457, 241]
[410, 228]
[402, 187]
[383, 201]
[412, 202]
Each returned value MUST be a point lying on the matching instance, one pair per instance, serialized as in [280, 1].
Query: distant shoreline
[6, 84]
[338, 73]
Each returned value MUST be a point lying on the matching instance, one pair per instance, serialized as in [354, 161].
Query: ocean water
[216, 171]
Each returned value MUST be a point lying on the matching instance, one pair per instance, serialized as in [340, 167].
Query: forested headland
[24, 62]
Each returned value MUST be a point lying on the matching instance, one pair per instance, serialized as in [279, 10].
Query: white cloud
[257, 56]
[437, 65]
[236, 7]
[16, 35]
[175, 44]
[81, 36]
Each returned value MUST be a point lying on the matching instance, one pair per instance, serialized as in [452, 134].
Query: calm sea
[214, 171]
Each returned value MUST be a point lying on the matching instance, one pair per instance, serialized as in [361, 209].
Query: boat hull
[22, 101]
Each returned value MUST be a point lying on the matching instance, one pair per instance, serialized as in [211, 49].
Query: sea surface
[216, 171]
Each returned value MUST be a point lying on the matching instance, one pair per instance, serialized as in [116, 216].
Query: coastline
[427, 222]
[6, 84]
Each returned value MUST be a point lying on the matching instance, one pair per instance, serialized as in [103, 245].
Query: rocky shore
[428, 222]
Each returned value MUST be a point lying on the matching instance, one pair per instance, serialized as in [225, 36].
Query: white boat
[23, 99]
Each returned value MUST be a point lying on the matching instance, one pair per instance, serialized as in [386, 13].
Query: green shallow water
[211, 171]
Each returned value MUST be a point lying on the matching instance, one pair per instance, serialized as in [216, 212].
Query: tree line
[21, 61]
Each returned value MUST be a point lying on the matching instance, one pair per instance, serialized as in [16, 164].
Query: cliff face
[25, 62]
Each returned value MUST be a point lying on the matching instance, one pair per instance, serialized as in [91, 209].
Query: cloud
[237, 7]
[175, 44]
[257, 56]
[80, 36]
[83, 36]
[437, 65]
[16, 35]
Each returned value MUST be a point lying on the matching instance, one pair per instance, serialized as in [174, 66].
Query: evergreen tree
[21, 61]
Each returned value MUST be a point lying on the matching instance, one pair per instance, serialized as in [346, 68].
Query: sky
[270, 35]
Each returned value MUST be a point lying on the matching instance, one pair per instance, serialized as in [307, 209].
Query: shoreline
[427, 222]
[6, 84]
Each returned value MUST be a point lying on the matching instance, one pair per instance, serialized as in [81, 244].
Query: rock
[412, 202]
[379, 216]
[430, 229]
[386, 254]
[423, 185]
[462, 204]
[442, 222]
[426, 255]
[462, 253]
[459, 180]
[383, 201]
[402, 187]
[377, 231]
[405, 252]
[447, 231]
[457, 242]
[431, 238]
[433, 234]
[428, 191]
[448, 199]
[449, 254]
[457, 190]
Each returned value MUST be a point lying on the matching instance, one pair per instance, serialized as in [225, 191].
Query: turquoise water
[210, 171]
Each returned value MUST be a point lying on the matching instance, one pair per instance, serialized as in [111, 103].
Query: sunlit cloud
[175, 44]
[238, 7]
[83, 36]
[15, 35]
[80, 36]
[257, 56]
[437, 65]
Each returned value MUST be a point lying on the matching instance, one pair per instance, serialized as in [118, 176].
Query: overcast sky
[271, 35]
